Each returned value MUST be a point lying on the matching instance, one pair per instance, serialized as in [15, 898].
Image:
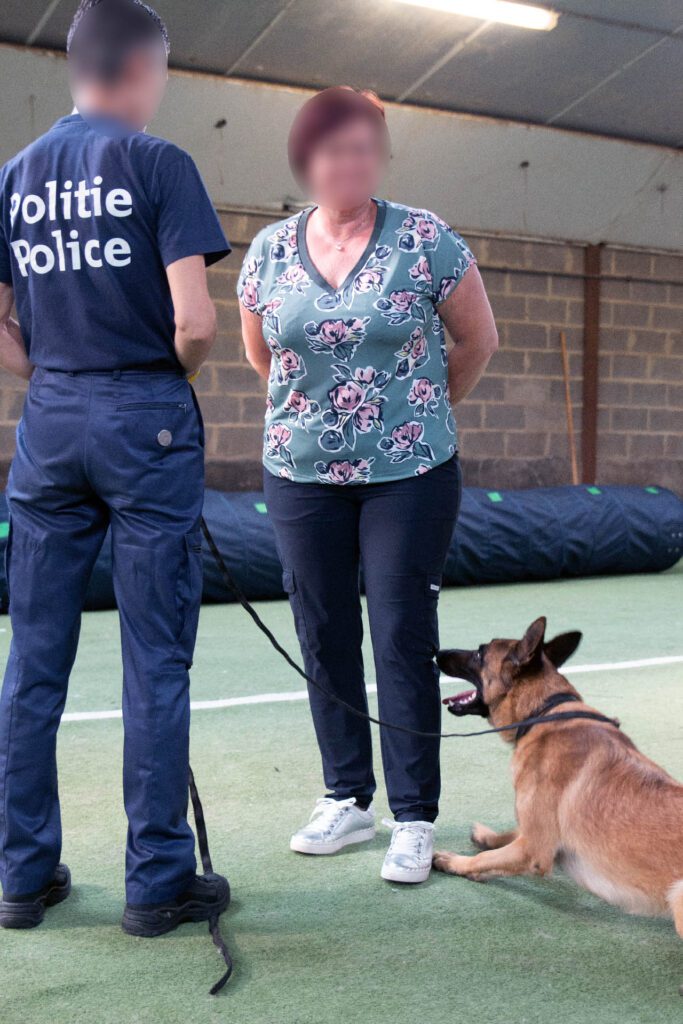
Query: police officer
[105, 234]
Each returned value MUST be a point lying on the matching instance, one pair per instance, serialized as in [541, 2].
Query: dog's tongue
[460, 698]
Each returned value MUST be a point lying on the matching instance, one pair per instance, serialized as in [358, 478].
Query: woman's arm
[469, 320]
[258, 353]
[12, 349]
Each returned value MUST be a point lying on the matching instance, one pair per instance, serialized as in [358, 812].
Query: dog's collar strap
[553, 702]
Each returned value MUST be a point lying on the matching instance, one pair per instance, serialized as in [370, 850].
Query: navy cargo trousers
[400, 532]
[98, 450]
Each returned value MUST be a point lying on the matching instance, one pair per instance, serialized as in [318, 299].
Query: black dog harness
[552, 702]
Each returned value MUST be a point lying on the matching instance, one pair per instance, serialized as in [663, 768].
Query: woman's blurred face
[346, 166]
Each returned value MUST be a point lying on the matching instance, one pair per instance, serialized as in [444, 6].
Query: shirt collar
[103, 123]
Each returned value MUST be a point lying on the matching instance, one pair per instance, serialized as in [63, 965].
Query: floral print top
[358, 389]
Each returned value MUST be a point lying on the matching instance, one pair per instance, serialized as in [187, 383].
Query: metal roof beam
[42, 22]
[260, 37]
[609, 78]
[447, 57]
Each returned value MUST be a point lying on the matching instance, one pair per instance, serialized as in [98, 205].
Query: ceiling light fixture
[522, 15]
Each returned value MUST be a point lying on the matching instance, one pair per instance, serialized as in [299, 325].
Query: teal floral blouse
[358, 388]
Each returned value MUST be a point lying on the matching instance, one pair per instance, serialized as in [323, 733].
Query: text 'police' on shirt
[57, 205]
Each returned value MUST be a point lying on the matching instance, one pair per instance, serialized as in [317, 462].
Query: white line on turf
[294, 695]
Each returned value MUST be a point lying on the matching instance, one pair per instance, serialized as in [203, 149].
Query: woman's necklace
[341, 243]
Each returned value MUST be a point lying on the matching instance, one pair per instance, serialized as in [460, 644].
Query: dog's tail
[674, 898]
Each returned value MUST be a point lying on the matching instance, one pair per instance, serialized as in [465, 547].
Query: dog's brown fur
[586, 798]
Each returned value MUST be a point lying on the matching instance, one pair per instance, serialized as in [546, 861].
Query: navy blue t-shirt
[91, 214]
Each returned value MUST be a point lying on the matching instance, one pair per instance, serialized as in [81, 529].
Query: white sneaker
[409, 858]
[334, 824]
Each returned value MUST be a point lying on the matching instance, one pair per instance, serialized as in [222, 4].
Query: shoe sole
[405, 877]
[324, 850]
[137, 922]
[22, 916]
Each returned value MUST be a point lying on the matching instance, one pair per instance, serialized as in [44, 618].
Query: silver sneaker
[333, 825]
[409, 858]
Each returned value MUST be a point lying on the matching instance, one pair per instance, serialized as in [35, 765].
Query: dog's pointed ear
[527, 651]
[561, 648]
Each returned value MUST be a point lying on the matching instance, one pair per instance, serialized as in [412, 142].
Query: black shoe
[207, 896]
[29, 911]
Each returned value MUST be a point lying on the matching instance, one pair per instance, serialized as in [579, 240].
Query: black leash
[522, 728]
[526, 723]
[214, 922]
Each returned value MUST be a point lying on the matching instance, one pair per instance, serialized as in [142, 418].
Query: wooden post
[569, 407]
[591, 351]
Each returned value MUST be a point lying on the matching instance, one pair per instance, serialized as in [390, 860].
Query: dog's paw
[482, 836]
[452, 864]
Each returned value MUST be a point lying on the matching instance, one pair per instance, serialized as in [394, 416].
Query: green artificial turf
[323, 940]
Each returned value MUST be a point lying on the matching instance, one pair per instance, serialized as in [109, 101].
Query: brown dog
[586, 798]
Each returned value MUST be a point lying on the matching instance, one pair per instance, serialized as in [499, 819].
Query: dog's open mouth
[467, 703]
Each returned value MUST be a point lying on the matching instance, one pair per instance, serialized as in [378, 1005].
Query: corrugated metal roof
[608, 67]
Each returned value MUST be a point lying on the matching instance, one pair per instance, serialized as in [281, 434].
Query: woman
[343, 312]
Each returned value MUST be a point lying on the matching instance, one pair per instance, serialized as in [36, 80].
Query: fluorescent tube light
[522, 15]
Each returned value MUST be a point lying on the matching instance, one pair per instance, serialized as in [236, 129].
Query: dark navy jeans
[96, 450]
[400, 532]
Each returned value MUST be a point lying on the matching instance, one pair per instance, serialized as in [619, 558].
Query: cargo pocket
[432, 593]
[292, 591]
[189, 595]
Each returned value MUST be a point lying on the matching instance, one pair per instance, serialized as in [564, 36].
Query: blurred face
[347, 166]
[143, 86]
[136, 96]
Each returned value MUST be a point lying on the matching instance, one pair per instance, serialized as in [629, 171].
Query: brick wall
[513, 427]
